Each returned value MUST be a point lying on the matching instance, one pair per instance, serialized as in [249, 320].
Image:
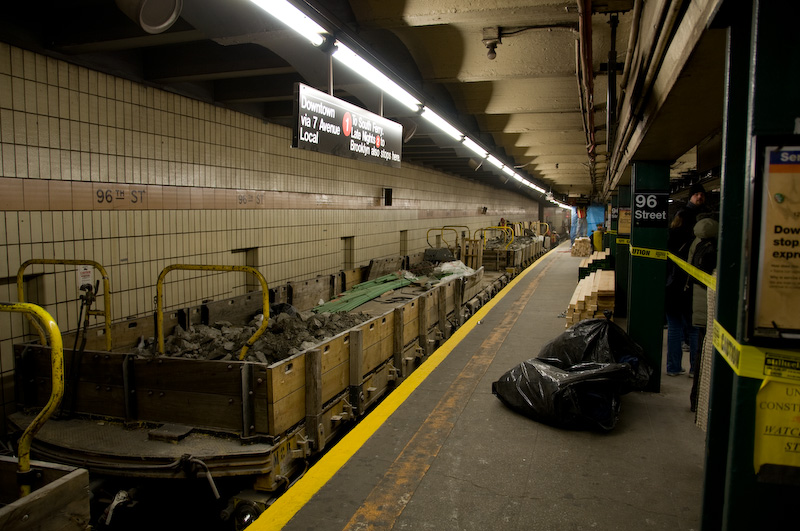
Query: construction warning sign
[329, 125]
[777, 429]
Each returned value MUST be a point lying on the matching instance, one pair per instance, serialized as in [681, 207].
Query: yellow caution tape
[697, 274]
[754, 362]
[658, 254]
[623, 241]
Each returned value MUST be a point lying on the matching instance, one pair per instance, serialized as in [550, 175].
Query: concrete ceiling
[527, 105]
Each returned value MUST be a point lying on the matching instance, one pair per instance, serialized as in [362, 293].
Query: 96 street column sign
[650, 209]
[326, 124]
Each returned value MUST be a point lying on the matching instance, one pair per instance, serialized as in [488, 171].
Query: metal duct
[153, 16]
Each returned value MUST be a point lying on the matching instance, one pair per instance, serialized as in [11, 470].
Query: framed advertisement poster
[777, 285]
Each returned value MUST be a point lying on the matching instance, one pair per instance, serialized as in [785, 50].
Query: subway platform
[443, 453]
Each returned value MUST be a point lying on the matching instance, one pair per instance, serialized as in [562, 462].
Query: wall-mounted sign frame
[775, 235]
[329, 125]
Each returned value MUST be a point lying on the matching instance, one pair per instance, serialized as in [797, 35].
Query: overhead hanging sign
[326, 124]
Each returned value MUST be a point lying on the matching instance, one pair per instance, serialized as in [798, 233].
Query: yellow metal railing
[507, 231]
[57, 362]
[539, 231]
[441, 233]
[106, 311]
[196, 267]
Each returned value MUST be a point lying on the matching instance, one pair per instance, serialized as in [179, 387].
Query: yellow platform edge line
[279, 513]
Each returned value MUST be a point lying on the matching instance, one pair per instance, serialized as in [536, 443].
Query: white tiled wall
[100, 168]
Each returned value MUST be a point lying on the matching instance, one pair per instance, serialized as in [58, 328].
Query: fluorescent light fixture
[510, 172]
[294, 18]
[357, 64]
[441, 123]
[495, 162]
[474, 147]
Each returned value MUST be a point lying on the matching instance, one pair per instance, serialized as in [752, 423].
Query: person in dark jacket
[678, 301]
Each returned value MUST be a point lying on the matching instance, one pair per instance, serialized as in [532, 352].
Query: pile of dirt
[287, 334]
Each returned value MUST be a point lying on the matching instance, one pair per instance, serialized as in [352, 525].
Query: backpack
[705, 255]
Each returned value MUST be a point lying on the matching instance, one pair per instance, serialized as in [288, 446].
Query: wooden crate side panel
[305, 295]
[180, 374]
[61, 503]
[473, 284]
[351, 277]
[236, 310]
[202, 410]
[410, 321]
[285, 377]
[376, 354]
[377, 341]
[383, 266]
[376, 385]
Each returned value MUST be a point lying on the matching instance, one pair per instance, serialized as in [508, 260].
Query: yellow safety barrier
[197, 267]
[106, 311]
[506, 230]
[658, 254]
[455, 227]
[757, 362]
[441, 229]
[57, 363]
[697, 274]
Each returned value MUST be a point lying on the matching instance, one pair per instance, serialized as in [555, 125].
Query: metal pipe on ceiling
[645, 74]
[587, 79]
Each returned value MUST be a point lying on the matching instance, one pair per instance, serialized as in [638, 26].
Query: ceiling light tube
[494, 161]
[474, 147]
[294, 18]
[360, 66]
[510, 172]
[442, 124]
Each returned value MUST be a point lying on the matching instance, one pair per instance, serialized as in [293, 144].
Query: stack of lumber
[582, 247]
[598, 260]
[593, 295]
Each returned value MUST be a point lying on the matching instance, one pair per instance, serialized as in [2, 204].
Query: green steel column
[610, 238]
[622, 257]
[648, 264]
[762, 99]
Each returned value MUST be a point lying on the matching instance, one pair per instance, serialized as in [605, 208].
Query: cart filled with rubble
[242, 394]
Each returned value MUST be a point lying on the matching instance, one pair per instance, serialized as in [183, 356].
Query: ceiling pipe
[587, 79]
[637, 96]
[633, 36]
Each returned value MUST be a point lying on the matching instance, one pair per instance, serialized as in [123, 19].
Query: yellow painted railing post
[198, 267]
[57, 363]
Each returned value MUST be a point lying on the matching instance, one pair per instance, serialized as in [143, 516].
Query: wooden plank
[356, 359]
[458, 300]
[304, 295]
[423, 323]
[235, 310]
[441, 311]
[61, 504]
[383, 266]
[191, 408]
[397, 342]
[313, 398]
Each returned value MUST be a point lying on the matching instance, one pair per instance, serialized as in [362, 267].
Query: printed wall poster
[778, 282]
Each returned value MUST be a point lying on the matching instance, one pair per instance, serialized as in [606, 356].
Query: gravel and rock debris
[287, 334]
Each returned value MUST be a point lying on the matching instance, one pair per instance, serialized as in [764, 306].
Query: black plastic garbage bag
[577, 379]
